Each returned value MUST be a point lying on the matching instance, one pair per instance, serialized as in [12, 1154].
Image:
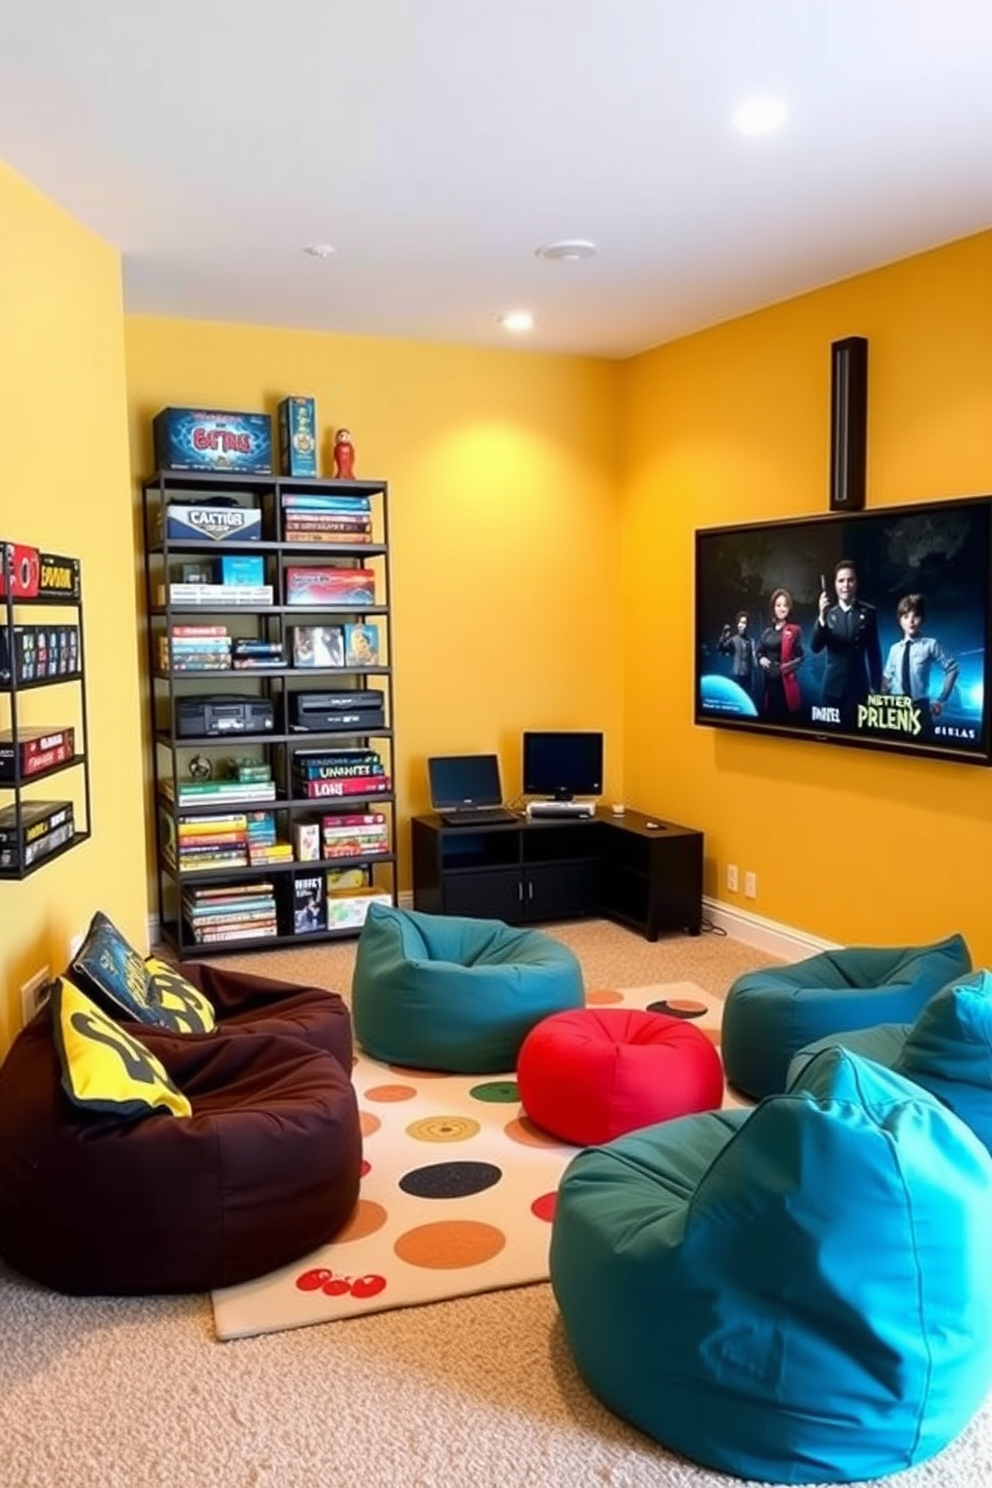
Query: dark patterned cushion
[149, 991]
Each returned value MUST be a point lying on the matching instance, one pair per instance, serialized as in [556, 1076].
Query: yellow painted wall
[504, 491]
[732, 425]
[65, 487]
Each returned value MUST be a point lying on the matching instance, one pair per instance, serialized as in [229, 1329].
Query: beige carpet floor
[477, 1392]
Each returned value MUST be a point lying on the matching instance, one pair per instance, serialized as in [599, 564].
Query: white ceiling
[436, 144]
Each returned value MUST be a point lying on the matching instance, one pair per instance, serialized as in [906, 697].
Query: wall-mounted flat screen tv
[867, 628]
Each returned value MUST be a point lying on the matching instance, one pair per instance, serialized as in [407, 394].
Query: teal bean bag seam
[769, 1015]
[947, 1051]
[455, 993]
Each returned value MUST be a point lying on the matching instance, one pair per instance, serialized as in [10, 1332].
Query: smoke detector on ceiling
[568, 250]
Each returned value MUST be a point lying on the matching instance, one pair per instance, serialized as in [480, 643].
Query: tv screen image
[562, 764]
[867, 628]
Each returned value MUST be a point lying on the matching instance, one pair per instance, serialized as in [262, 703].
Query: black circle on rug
[451, 1180]
[680, 1009]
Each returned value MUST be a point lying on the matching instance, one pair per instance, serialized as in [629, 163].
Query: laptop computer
[466, 790]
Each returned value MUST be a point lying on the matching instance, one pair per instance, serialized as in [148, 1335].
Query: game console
[224, 713]
[539, 810]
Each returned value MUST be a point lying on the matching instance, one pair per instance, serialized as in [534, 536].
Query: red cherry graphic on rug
[368, 1286]
[338, 1286]
[312, 1281]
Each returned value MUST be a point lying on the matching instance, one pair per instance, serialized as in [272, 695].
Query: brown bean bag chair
[245, 1003]
[265, 1169]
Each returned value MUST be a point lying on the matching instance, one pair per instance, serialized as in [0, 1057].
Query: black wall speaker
[848, 423]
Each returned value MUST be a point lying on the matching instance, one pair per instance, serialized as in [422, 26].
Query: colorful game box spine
[37, 749]
[298, 436]
[213, 439]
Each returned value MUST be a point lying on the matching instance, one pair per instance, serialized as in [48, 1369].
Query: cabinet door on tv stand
[489, 894]
[563, 890]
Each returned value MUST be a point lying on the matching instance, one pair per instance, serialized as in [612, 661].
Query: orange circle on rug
[602, 997]
[386, 1093]
[450, 1244]
[443, 1129]
[524, 1131]
[366, 1218]
[368, 1123]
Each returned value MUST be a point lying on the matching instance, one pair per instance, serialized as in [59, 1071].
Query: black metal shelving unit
[174, 750]
[33, 843]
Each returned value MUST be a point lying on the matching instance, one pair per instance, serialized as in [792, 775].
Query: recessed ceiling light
[320, 250]
[761, 115]
[516, 320]
[568, 250]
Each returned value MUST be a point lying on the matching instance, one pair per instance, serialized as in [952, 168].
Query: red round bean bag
[593, 1074]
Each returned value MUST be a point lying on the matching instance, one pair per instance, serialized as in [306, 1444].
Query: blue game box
[211, 439]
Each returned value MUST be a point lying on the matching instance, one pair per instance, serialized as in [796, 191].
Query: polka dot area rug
[457, 1196]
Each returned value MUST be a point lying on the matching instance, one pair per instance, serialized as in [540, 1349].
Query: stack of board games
[230, 912]
[354, 835]
[249, 653]
[44, 826]
[263, 843]
[313, 517]
[317, 773]
[195, 648]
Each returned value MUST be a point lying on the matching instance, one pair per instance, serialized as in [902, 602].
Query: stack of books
[196, 844]
[232, 912]
[317, 773]
[354, 836]
[263, 845]
[320, 518]
[217, 792]
[195, 648]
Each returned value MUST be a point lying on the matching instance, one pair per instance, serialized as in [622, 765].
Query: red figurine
[344, 455]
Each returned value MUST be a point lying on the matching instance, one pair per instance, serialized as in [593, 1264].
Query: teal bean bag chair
[798, 1293]
[948, 1050]
[445, 992]
[771, 1014]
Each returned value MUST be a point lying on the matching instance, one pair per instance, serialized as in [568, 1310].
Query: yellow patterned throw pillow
[178, 1005]
[105, 1069]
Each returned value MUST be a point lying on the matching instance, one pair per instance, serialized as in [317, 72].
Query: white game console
[544, 810]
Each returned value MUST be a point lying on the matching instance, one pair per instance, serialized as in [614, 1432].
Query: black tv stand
[562, 868]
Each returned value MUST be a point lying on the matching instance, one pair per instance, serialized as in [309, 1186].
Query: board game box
[213, 439]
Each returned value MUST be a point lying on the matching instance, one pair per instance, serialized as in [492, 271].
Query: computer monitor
[563, 764]
[460, 780]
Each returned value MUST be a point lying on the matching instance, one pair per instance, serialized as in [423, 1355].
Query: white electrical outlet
[732, 877]
[31, 998]
[750, 886]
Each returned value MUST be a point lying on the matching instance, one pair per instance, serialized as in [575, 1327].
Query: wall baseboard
[764, 935]
[739, 924]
